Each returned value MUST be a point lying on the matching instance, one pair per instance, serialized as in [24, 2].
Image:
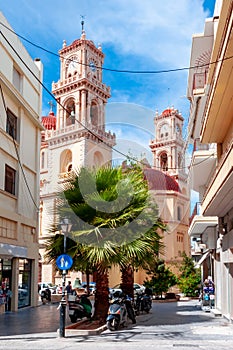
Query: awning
[10, 251]
[203, 258]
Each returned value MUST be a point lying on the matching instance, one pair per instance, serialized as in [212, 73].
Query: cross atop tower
[51, 105]
[82, 23]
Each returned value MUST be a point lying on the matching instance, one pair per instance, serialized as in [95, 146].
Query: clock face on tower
[92, 66]
[164, 130]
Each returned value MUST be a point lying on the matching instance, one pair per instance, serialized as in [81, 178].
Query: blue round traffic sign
[64, 262]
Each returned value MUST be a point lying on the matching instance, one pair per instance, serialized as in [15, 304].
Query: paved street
[179, 325]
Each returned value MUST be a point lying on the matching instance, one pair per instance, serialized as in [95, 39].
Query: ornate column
[83, 106]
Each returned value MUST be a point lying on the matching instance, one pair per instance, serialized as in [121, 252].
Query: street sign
[64, 262]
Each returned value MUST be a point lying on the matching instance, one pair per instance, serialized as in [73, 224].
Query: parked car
[92, 287]
[172, 296]
[138, 289]
[47, 285]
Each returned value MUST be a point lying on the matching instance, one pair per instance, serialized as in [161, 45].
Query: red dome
[167, 111]
[157, 180]
[49, 121]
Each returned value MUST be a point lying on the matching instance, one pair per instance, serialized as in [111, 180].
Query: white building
[20, 135]
[215, 117]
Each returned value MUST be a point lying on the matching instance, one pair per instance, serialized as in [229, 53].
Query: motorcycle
[45, 295]
[143, 302]
[120, 308]
[79, 307]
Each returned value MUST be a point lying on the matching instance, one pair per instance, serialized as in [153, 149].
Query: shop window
[24, 287]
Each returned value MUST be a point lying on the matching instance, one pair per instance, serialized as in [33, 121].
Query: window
[94, 114]
[16, 79]
[164, 162]
[10, 176]
[11, 124]
[179, 213]
[24, 286]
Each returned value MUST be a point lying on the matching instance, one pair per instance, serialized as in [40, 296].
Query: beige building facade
[20, 130]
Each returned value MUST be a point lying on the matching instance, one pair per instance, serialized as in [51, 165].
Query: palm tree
[113, 222]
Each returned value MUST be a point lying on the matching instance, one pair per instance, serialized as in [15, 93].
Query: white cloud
[160, 30]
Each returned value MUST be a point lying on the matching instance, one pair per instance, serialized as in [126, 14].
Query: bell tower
[75, 136]
[168, 144]
[81, 99]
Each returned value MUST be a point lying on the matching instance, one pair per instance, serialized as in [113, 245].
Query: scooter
[143, 302]
[79, 307]
[45, 295]
[146, 303]
[120, 308]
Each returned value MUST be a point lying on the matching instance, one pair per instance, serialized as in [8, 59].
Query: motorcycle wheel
[113, 324]
[131, 315]
[73, 318]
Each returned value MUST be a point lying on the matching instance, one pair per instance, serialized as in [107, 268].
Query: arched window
[66, 161]
[179, 213]
[98, 159]
[94, 113]
[42, 160]
[70, 112]
[179, 160]
[163, 161]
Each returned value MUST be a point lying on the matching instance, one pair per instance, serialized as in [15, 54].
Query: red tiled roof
[157, 180]
[49, 121]
[167, 111]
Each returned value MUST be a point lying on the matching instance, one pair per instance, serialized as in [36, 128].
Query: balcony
[218, 197]
[202, 165]
[199, 223]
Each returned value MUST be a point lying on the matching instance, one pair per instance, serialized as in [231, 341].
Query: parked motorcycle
[79, 307]
[45, 295]
[143, 302]
[120, 308]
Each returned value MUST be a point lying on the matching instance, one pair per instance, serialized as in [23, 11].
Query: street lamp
[65, 227]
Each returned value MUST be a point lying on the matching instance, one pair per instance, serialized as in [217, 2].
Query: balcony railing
[198, 146]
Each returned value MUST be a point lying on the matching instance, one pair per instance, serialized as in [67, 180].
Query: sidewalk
[40, 319]
[168, 323]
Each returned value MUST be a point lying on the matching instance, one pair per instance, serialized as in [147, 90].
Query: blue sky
[135, 35]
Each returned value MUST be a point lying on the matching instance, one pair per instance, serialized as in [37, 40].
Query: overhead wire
[129, 157]
[114, 69]
[63, 107]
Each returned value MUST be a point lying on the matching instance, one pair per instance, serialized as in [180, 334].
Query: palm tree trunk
[101, 295]
[127, 278]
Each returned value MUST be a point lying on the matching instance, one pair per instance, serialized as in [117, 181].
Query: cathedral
[76, 137]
